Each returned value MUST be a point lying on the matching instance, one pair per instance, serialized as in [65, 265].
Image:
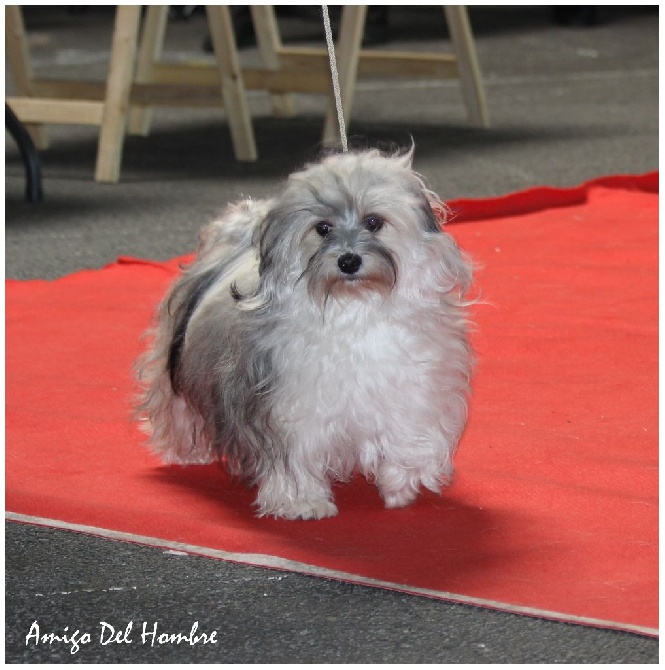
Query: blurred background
[572, 93]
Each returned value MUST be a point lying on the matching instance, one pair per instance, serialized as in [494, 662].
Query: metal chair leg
[29, 154]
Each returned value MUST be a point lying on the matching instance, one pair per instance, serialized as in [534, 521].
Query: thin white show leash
[335, 77]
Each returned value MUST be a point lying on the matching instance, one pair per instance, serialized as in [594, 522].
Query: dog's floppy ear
[268, 244]
[431, 220]
[267, 240]
[433, 210]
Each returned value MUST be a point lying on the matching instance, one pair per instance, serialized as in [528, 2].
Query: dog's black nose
[349, 263]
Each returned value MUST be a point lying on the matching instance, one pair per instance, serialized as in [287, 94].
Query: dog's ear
[456, 265]
[267, 241]
[268, 244]
[433, 213]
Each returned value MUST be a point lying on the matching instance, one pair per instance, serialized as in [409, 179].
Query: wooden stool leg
[467, 60]
[118, 86]
[18, 59]
[347, 52]
[230, 75]
[269, 42]
[150, 51]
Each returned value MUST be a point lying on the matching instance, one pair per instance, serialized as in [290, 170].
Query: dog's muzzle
[349, 263]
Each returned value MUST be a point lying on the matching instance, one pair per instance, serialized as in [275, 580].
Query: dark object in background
[33, 175]
[242, 27]
[376, 25]
[181, 12]
[575, 15]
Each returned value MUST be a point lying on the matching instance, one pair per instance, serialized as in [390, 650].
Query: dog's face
[347, 225]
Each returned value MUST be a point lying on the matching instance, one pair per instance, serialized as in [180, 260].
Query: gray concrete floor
[567, 104]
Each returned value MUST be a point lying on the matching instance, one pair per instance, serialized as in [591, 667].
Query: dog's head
[347, 227]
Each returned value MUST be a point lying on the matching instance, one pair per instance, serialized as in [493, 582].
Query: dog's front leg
[291, 492]
[400, 474]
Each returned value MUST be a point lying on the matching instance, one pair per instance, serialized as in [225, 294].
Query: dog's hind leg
[177, 432]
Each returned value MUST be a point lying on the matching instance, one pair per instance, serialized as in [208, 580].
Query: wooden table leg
[269, 43]
[464, 47]
[230, 75]
[118, 86]
[18, 59]
[149, 53]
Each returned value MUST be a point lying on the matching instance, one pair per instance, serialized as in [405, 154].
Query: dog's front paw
[319, 509]
[397, 485]
[300, 509]
[399, 498]
[285, 497]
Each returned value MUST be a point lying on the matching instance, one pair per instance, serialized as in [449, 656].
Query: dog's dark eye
[373, 223]
[322, 228]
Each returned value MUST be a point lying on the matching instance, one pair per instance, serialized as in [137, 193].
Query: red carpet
[554, 509]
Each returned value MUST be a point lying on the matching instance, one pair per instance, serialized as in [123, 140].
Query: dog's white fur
[269, 356]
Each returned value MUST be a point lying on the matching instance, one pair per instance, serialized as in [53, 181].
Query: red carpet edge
[277, 563]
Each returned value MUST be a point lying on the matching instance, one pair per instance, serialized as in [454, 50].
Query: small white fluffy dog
[318, 333]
